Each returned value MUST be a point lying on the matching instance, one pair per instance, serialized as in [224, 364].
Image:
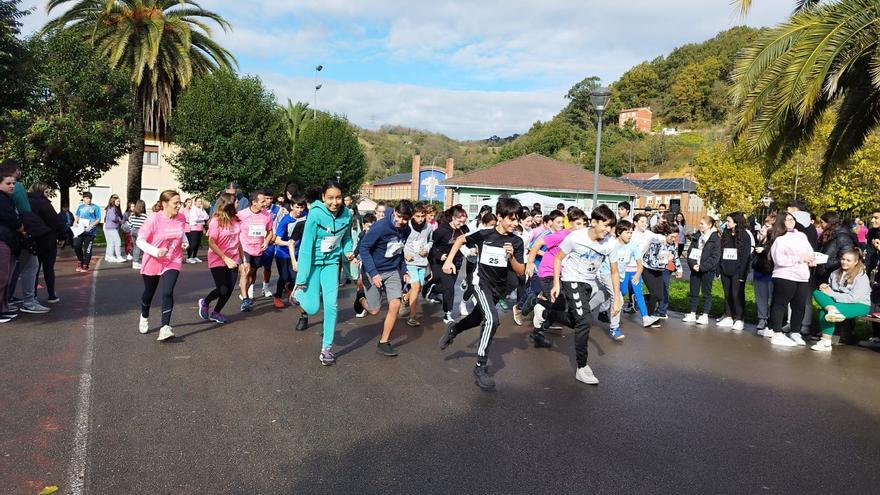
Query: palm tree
[746, 5]
[825, 58]
[163, 44]
[296, 118]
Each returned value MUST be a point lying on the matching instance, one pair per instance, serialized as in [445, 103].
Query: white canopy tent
[366, 205]
[548, 203]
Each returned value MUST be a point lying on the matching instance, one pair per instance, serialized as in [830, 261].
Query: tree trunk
[136, 158]
[64, 191]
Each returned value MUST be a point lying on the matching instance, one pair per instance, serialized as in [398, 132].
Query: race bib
[696, 254]
[329, 243]
[393, 249]
[729, 254]
[257, 230]
[493, 256]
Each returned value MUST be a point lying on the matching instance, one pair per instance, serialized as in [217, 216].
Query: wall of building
[391, 192]
[692, 206]
[472, 198]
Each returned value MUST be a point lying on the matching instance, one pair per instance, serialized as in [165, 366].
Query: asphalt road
[246, 408]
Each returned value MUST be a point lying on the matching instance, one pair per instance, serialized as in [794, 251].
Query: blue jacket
[326, 239]
[381, 249]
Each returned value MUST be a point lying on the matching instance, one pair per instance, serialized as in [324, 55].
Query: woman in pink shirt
[162, 240]
[792, 258]
[224, 255]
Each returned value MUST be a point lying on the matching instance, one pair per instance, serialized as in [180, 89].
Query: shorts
[391, 284]
[267, 259]
[416, 274]
[251, 260]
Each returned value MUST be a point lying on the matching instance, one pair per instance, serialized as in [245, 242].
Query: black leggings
[733, 305]
[224, 282]
[195, 240]
[785, 293]
[82, 246]
[654, 280]
[285, 274]
[701, 282]
[152, 282]
[447, 288]
[47, 251]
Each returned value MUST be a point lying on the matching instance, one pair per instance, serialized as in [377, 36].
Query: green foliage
[75, 126]
[726, 180]
[296, 118]
[16, 64]
[327, 145]
[637, 87]
[229, 128]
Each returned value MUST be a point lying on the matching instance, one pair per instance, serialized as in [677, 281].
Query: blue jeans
[664, 302]
[637, 292]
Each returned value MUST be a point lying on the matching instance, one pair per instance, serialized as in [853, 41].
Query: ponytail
[165, 197]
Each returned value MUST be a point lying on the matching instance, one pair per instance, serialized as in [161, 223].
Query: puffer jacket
[840, 240]
[743, 246]
[711, 254]
[320, 229]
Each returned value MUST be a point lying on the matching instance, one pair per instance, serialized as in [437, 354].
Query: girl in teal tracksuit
[326, 239]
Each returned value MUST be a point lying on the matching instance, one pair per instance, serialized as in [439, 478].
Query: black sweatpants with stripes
[484, 316]
[577, 298]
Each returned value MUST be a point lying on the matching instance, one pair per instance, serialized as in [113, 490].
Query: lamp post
[318, 68]
[599, 98]
[338, 175]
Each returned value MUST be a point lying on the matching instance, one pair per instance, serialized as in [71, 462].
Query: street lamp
[599, 98]
[338, 175]
[318, 68]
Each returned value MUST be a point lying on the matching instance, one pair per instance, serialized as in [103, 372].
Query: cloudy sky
[466, 69]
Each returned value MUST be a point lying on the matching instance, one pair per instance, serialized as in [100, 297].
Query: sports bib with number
[729, 254]
[257, 230]
[329, 243]
[493, 256]
[696, 254]
[393, 248]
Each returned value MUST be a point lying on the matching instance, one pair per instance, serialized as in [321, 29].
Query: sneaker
[726, 322]
[203, 309]
[448, 336]
[278, 303]
[14, 301]
[246, 304]
[648, 321]
[327, 358]
[404, 311]
[538, 338]
[143, 325]
[483, 379]
[603, 317]
[689, 318]
[413, 322]
[34, 307]
[824, 345]
[54, 300]
[11, 315]
[517, 316]
[781, 340]
[302, 323]
[85, 269]
[218, 317]
[359, 310]
[662, 316]
[386, 349]
[128, 257]
[629, 308]
[538, 318]
[797, 338]
[266, 291]
[136, 266]
[871, 343]
[120, 260]
[433, 300]
[762, 324]
[293, 299]
[765, 333]
[447, 318]
[79, 268]
[5, 319]
[190, 261]
[165, 333]
[198, 260]
[703, 319]
[616, 334]
[503, 304]
[586, 375]
[250, 292]
[834, 317]
[463, 308]
[738, 326]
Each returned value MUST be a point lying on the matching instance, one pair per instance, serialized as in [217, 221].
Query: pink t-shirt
[862, 234]
[163, 232]
[227, 239]
[254, 227]
[552, 241]
[185, 213]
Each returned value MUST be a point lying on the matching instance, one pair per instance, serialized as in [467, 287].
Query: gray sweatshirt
[857, 293]
[416, 242]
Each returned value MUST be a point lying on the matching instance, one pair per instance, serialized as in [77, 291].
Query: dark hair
[536, 207]
[507, 208]
[484, 209]
[683, 219]
[739, 227]
[603, 213]
[488, 217]
[291, 189]
[370, 218]
[452, 212]
[546, 218]
[405, 208]
[623, 226]
[661, 204]
[560, 206]
[663, 229]
[9, 167]
[256, 194]
[625, 205]
[313, 194]
[298, 199]
[536, 212]
[577, 214]
[420, 208]
[796, 203]
[140, 207]
[232, 185]
[638, 216]
[331, 184]
[225, 211]
[555, 214]
[85, 194]
[779, 228]
[39, 188]
[832, 219]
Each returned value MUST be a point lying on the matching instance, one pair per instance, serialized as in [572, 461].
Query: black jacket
[743, 245]
[10, 222]
[710, 256]
[41, 206]
[444, 238]
[835, 244]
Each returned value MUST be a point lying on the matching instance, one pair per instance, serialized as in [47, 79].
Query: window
[474, 205]
[100, 195]
[151, 155]
[150, 196]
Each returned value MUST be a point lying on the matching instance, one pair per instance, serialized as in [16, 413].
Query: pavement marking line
[77, 471]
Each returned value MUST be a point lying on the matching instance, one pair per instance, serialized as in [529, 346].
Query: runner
[85, 224]
[224, 255]
[471, 258]
[418, 245]
[626, 252]
[575, 270]
[288, 235]
[162, 240]
[359, 311]
[500, 251]
[326, 239]
[660, 257]
[452, 227]
[268, 257]
[381, 252]
[256, 235]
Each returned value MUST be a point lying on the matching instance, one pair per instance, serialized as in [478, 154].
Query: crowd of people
[558, 268]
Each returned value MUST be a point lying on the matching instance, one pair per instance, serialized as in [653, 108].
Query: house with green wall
[534, 173]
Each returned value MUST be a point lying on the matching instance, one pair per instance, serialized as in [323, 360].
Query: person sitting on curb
[846, 295]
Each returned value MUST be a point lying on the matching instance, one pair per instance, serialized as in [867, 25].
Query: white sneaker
[738, 326]
[128, 257]
[703, 319]
[143, 325]
[765, 333]
[136, 266]
[797, 338]
[690, 318]
[121, 260]
[586, 375]
[251, 292]
[781, 340]
[447, 318]
[824, 345]
[165, 333]
[266, 291]
[726, 322]
[647, 321]
[538, 317]
[463, 308]
[198, 260]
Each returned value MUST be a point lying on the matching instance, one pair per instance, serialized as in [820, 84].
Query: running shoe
[765, 333]
[250, 294]
[616, 334]
[738, 326]
[870, 343]
[165, 333]
[824, 345]
[9, 314]
[266, 291]
[302, 323]
[386, 349]
[628, 308]
[14, 301]
[726, 322]
[5, 319]
[447, 318]
[218, 317]
[797, 338]
[781, 340]
[246, 304]
[703, 319]
[327, 358]
[34, 308]
[538, 318]
[54, 300]
[413, 322]
[79, 268]
[448, 336]
[650, 321]
[278, 303]
[586, 375]
[203, 309]
[483, 379]
[136, 266]
[404, 310]
[503, 304]
[517, 316]
[143, 325]
[762, 324]
[128, 257]
[662, 316]
[539, 340]
[689, 318]
[359, 310]
[85, 269]
[198, 260]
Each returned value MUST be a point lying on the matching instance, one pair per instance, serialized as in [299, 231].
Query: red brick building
[641, 118]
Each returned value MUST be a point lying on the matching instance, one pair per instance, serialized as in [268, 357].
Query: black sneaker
[603, 317]
[538, 338]
[245, 305]
[483, 379]
[357, 306]
[662, 316]
[448, 336]
[628, 308]
[303, 322]
[762, 324]
[386, 349]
